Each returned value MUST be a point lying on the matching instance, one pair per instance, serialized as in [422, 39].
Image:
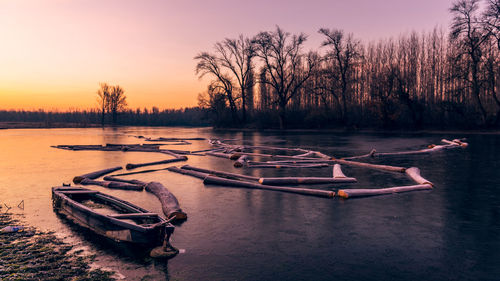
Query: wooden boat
[111, 217]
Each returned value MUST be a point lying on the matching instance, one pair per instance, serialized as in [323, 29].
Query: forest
[437, 79]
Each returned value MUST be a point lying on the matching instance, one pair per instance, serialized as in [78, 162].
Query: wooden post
[96, 174]
[236, 183]
[169, 203]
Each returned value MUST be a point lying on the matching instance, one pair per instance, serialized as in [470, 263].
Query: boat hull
[66, 202]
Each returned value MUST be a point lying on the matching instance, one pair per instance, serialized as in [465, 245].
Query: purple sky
[55, 52]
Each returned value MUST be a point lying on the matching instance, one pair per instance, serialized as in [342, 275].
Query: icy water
[449, 233]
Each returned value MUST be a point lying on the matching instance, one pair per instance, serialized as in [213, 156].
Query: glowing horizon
[55, 53]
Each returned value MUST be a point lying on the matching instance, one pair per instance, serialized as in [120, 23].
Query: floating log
[169, 203]
[139, 172]
[236, 183]
[238, 154]
[170, 139]
[175, 152]
[279, 166]
[304, 180]
[371, 166]
[208, 150]
[112, 184]
[195, 174]
[321, 155]
[307, 154]
[461, 142]
[296, 161]
[414, 174]
[370, 154]
[136, 182]
[96, 174]
[219, 154]
[220, 173]
[337, 172]
[455, 142]
[349, 193]
[133, 166]
[241, 161]
[431, 148]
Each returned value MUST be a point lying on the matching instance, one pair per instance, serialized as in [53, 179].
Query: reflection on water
[451, 232]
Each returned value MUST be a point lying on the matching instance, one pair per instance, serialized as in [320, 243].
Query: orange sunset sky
[54, 53]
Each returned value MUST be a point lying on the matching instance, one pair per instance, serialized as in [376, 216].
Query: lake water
[449, 233]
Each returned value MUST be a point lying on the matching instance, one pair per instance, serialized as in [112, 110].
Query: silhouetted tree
[469, 35]
[282, 58]
[103, 99]
[210, 64]
[236, 55]
[117, 101]
[342, 55]
[491, 19]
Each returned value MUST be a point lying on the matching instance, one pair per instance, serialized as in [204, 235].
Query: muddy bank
[34, 255]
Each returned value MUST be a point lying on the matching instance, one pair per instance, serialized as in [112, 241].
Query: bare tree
[491, 19]
[210, 64]
[214, 100]
[468, 33]
[236, 55]
[282, 58]
[117, 101]
[344, 53]
[103, 99]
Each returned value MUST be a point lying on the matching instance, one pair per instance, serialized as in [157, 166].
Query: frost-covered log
[133, 166]
[371, 166]
[169, 203]
[220, 173]
[236, 183]
[96, 174]
[414, 174]
[112, 184]
[240, 162]
[219, 154]
[304, 180]
[280, 166]
[136, 182]
[349, 193]
[195, 174]
[337, 172]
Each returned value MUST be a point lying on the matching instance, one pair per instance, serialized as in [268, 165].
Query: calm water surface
[449, 233]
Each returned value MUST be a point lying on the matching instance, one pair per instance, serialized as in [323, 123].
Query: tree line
[127, 117]
[429, 79]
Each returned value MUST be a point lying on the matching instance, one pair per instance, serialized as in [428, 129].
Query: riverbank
[34, 255]
[43, 125]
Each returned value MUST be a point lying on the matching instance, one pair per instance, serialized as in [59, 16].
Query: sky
[54, 53]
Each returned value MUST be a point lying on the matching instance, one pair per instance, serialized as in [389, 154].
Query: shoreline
[43, 125]
[33, 255]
